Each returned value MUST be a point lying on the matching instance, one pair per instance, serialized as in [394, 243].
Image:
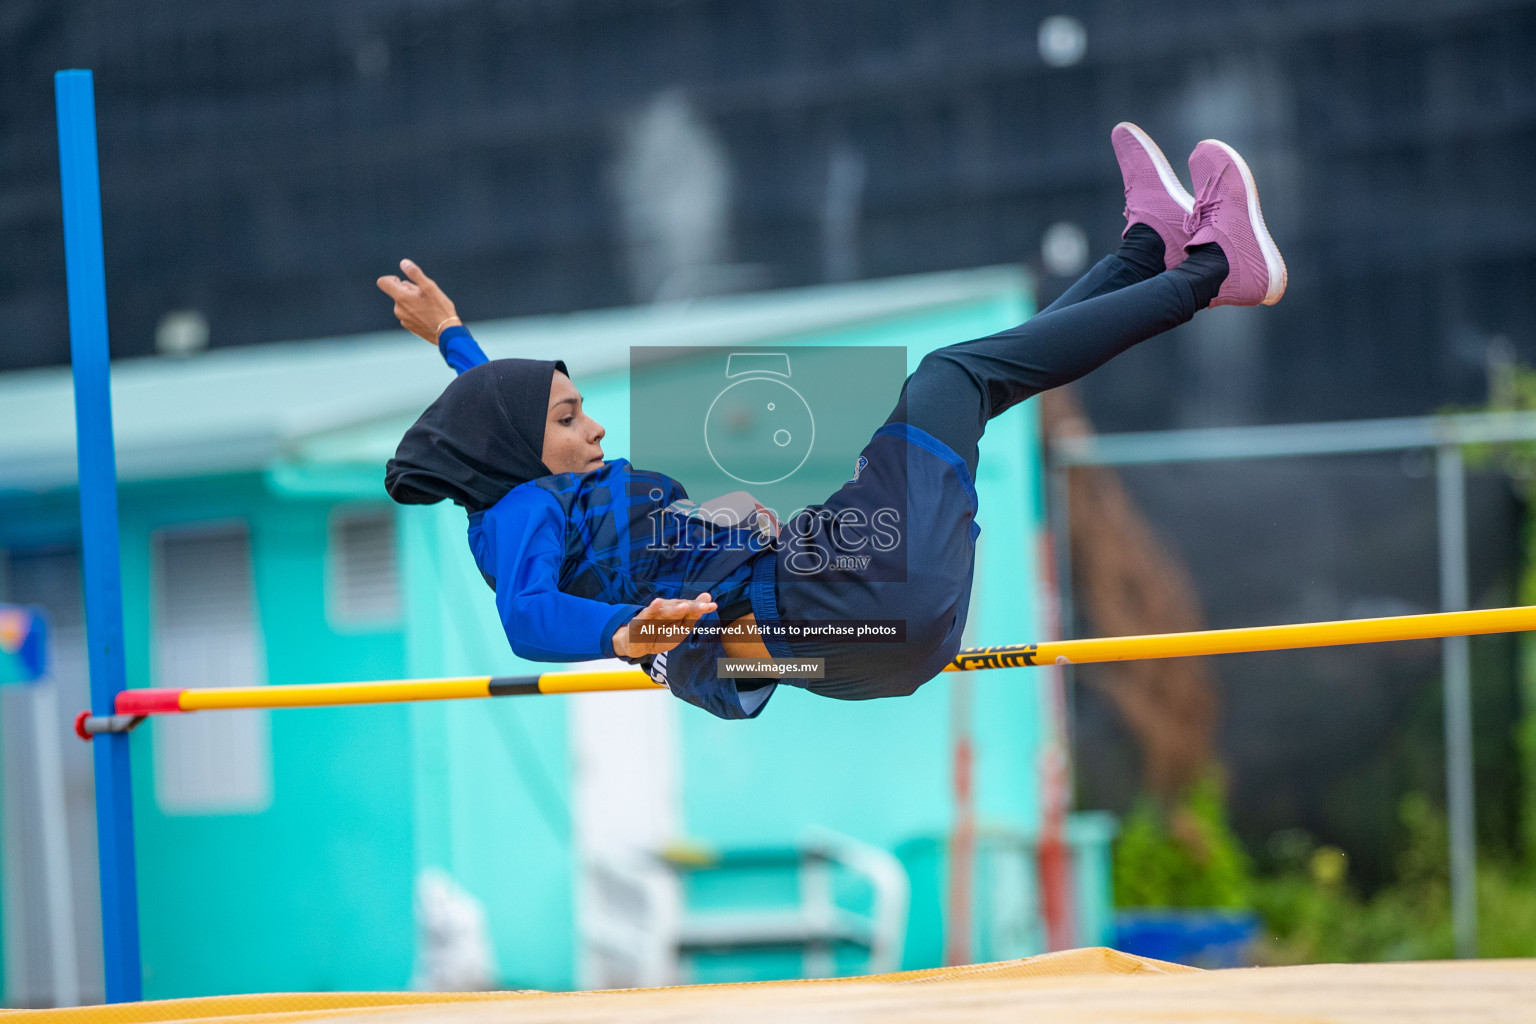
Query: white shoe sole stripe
[1273, 264]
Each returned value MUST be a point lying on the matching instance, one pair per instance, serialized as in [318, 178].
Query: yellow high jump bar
[133, 705]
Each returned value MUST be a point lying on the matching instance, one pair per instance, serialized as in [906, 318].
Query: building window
[363, 573]
[206, 634]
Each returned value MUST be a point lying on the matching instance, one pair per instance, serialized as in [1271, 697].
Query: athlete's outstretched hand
[674, 612]
[420, 304]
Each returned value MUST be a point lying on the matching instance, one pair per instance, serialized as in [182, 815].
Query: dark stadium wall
[262, 165]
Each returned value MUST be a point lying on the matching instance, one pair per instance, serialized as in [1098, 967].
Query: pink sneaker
[1227, 213]
[1153, 193]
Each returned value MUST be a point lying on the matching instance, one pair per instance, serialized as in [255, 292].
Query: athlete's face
[572, 439]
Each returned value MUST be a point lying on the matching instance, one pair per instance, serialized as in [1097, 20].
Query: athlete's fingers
[697, 612]
[679, 606]
[680, 611]
[660, 608]
[417, 275]
[396, 288]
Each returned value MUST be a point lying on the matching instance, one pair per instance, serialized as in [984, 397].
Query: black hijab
[482, 437]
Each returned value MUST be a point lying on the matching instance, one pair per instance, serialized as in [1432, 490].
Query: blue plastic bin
[1200, 938]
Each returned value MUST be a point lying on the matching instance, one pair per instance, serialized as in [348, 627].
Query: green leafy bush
[1181, 856]
[1312, 914]
[1187, 856]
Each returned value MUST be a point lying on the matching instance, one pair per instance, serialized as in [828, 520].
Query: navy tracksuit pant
[921, 465]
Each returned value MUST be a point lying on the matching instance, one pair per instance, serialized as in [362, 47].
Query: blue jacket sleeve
[522, 545]
[459, 348]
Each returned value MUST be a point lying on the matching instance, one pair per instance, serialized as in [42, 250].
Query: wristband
[445, 323]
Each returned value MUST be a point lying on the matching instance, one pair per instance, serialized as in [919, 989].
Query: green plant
[1181, 856]
[1312, 914]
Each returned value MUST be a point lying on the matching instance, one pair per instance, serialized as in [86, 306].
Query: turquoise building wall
[274, 900]
[491, 784]
[263, 897]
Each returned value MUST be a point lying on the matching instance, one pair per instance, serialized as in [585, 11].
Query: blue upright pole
[87, 278]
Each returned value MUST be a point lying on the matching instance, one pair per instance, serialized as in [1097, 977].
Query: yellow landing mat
[1083, 986]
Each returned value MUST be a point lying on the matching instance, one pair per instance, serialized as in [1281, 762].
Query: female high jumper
[568, 540]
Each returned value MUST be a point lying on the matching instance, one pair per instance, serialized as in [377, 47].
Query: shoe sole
[1171, 183]
[1273, 263]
